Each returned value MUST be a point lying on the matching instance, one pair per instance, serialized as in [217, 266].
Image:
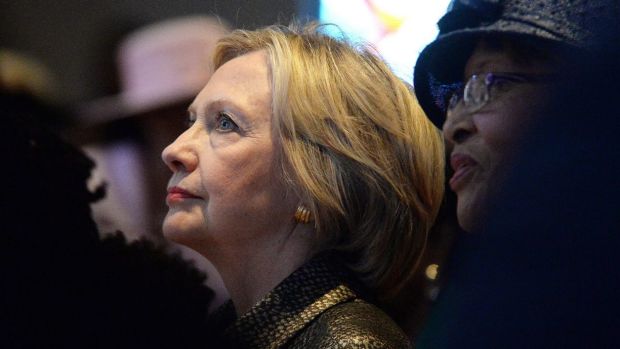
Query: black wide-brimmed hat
[572, 23]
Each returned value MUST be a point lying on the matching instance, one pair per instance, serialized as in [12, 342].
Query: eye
[191, 120]
[501, 83]
[224, 123]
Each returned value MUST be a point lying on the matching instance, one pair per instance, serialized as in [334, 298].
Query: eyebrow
[222, 104]
[478, 68]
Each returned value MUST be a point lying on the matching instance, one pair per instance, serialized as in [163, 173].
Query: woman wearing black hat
[528, 85]
[490, 73]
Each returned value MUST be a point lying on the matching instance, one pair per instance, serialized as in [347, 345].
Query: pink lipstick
[176, 194]
[463, 166]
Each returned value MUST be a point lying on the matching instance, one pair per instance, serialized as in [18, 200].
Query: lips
[463, 166]
[177, 194]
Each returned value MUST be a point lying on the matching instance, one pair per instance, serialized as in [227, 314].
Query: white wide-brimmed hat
[159, 65]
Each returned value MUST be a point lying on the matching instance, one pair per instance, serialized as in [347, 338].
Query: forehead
[507, 56]
[244, 81]
[246, 72]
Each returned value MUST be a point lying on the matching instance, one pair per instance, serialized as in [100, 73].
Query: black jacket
[320, 305]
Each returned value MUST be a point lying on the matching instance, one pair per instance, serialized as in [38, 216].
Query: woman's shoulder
[354, 324]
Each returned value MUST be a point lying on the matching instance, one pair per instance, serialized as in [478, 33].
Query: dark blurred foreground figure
[62, 287]
[540, 271]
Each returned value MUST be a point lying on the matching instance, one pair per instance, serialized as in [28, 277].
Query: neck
[251, 269]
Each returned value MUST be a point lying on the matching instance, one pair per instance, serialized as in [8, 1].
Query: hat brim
[111, 108]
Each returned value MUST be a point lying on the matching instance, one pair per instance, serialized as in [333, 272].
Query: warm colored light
[431, 271]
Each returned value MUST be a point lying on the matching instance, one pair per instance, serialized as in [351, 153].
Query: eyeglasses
[482, 88]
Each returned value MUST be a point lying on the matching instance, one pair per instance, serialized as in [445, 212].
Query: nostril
[177, 165]
[460, 136]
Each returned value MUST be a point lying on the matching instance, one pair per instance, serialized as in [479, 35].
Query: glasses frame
[476, 93]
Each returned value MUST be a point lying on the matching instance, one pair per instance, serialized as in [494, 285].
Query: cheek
[496, 129]
[504, 127]
[498, 137]
[245, 189]
[241, 175]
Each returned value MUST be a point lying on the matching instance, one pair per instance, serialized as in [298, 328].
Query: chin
[181, 230]
[472, 205]
[466, 223]
[469, 214]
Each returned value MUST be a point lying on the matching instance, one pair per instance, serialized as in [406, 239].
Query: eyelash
[224, 116]
[191, 120]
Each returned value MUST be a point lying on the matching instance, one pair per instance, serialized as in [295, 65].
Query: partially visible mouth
[463, 166]
[177, 194]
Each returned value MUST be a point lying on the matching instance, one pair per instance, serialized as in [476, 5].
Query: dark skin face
[483, 141]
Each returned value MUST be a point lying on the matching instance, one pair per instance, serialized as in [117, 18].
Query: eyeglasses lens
[476, 92]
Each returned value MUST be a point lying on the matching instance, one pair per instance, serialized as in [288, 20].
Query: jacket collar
[318, 285]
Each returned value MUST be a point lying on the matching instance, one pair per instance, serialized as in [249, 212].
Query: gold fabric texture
[316, 307]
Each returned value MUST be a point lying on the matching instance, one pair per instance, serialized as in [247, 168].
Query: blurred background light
[398, 29]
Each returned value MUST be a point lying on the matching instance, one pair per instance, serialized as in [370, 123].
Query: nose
[180, 154]
[459, 125]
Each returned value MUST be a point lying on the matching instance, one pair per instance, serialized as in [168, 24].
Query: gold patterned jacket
[315, 307]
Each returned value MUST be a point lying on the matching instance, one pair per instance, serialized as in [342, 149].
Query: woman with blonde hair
[309, 177]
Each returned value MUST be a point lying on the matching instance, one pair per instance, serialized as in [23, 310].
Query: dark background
[76, 39]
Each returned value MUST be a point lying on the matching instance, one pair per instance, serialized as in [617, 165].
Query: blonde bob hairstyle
[356, 147]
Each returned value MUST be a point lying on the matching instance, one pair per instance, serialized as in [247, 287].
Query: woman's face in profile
[483, 141]
[226, 186]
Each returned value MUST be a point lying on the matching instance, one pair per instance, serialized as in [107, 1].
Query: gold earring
[302, 215]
